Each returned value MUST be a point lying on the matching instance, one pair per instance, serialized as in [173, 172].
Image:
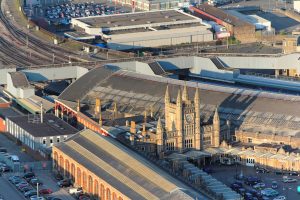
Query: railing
[278, 77]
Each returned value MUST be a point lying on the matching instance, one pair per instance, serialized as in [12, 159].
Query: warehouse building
[145, 29]
[239, 28]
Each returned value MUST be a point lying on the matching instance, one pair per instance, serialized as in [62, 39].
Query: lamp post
[37, 190]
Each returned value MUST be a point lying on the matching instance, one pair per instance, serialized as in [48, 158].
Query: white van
[14, 159]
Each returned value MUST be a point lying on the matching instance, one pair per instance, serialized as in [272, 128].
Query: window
[51, 141]
[57, 139]
[44, 141]
[249, 140]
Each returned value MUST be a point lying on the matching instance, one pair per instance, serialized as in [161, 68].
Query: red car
[45, 191]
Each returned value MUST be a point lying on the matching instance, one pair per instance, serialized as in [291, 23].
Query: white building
[297, 5]
[145, 29]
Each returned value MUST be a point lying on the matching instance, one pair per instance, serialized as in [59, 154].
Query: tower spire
[216, 129]
[185, 95]
[197, 95]
[167, 95]
[179, 98]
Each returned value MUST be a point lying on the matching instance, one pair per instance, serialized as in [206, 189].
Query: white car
[75, 190]
[259, 185]
[289, 180]
[280, 198]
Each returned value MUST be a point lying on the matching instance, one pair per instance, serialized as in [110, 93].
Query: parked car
[289, 180]
[252, 180]
[75, 190]
[13, 177]
[5, 168]
[280, 172]
[22, 183]
[35, 181]
[53, 198]
[45, 191]
[269, 192]
[262, 170]
[280, 198]
[37, 198]
[64, 183]
[58, 177]
[259, 186]
[274, 185]
[30, 193]
[28, 176]
[235, 187]
[17, 181]
[294, 174]
[25, 189]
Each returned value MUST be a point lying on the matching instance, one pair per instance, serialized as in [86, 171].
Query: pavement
[226, 174]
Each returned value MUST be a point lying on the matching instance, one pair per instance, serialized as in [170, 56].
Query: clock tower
[183, 120]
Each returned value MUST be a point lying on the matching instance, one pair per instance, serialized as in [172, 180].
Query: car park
[64, 12]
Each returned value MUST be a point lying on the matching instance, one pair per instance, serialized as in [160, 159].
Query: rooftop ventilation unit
[167, 16]
[149, 22]
[108, 22]
[132, 20]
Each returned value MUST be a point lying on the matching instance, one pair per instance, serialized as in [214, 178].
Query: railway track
[41, 52]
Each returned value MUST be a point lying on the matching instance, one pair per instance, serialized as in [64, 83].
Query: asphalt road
[226, 175]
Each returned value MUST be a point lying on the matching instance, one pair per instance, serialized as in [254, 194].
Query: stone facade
[84, 178]
[183, 129]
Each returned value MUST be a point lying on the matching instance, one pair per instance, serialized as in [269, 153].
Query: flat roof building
[145, 29]
[241, 29]
[107, 169]
[39, 132]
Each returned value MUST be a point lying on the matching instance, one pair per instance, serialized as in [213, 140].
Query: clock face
[189, 118]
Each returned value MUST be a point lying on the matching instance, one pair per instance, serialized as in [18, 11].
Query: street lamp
[37, 190]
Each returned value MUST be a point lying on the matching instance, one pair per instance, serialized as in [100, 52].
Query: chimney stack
[78, 105]
[97, 106]
[132, 127]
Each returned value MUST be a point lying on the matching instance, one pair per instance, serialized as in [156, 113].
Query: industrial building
[106, 169]
[259, 22]
[145, 29]
[239, 28]
[38, 133]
